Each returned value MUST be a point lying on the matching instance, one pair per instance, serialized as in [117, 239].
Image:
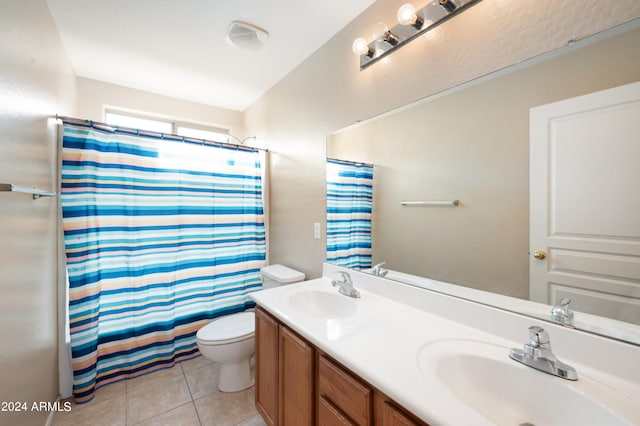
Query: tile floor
[185, 395]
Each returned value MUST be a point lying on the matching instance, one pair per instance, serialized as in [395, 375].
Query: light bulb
[360, 46]
[407, 14]
[379, 30]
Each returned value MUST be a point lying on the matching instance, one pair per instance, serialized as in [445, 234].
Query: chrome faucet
[346, 285]
[561, 313]
[379, 271]
[537, 354]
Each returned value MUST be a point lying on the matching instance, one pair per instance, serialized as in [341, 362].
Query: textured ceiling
[177, 48]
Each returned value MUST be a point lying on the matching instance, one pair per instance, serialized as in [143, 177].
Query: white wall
[94, 96]
[36, 82]
[328, 92]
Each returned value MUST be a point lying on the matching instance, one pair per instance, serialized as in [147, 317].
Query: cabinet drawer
[343, 391]
[387, 413]
[330, 415]
[392, 416]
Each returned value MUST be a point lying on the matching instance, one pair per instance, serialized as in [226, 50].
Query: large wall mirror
[472, 144]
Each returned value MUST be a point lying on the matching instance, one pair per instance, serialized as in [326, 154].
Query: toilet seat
[228, 329]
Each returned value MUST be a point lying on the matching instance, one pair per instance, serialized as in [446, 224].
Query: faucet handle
[379, 265]
[537, 336]
[379, 271]
[346, 279]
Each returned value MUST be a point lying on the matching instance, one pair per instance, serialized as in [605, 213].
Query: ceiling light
[246, 36]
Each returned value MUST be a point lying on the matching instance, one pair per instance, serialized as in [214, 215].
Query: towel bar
[452, 203]
[37, 193]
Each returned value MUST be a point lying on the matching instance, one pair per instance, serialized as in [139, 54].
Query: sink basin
[481, 377]
[323, 304]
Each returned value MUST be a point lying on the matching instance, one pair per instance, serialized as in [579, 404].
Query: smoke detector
[246, 36]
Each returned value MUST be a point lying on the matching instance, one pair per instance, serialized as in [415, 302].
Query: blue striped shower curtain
[349, 204]
[161, 236]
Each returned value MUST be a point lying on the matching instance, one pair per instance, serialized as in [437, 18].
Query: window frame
[174, 123]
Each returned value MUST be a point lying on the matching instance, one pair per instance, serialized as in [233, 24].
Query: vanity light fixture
[411, 24]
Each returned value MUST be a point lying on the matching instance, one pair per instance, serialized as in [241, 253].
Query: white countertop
[392, 322]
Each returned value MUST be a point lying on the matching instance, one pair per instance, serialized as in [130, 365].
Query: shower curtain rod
[156, 135]
[349, 162]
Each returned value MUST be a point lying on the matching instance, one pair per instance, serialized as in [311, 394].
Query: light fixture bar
[428, 17]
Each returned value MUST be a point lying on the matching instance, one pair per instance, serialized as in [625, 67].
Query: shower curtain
[161, 236]
[349, 204]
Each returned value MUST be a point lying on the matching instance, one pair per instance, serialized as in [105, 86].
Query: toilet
[229, 340]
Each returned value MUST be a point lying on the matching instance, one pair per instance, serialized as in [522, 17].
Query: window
[209, 135]
[189, 130]
[138, 122]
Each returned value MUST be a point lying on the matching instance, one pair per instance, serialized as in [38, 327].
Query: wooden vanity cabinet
[297, 384]
[284, 374]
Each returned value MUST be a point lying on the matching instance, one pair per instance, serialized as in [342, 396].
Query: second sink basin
[482, 377]
[322, 304]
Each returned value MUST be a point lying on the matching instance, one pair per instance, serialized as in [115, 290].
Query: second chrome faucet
[379, 271]
[537, 354]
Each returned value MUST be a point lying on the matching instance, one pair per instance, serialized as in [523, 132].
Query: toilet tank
[277, 275]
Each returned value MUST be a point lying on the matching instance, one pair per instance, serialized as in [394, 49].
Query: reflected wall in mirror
[472, 144]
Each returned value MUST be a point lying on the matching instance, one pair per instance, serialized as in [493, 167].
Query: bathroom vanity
[299, 384]
[402, 355]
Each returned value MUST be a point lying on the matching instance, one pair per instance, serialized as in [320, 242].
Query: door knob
[539, 254]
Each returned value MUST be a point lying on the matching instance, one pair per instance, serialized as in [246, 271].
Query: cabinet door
[296, 379]
[267, 400]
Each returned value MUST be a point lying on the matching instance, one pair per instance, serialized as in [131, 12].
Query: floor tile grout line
[164, 413]
[184, 375]
[193, 402]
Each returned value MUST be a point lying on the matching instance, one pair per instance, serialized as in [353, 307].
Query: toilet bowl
[230, 341]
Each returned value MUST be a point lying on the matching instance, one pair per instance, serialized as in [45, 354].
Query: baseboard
[49, 421]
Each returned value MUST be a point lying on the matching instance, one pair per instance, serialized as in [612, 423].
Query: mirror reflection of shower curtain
[349, 206]
[161, 237]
